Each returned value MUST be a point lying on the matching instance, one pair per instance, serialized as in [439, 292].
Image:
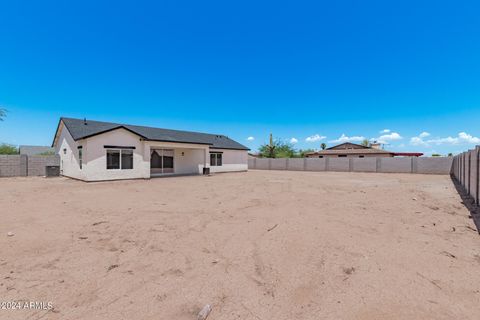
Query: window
[361, 156]
[215, 159]
[127, 159]
[113, 159]
[120, 159]
[320, 157]
[342, 155]
[80, 156]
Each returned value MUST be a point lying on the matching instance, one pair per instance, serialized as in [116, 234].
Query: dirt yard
[255, 245]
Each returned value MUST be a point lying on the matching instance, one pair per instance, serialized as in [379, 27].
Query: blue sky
[328, 70]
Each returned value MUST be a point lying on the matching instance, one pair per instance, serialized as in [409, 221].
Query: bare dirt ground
[255, 245]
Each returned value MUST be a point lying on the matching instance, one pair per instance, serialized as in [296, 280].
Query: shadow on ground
[469, 203]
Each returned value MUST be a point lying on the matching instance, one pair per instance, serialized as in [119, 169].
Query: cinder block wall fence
[466, 171]
[22, 165]
[427, 165]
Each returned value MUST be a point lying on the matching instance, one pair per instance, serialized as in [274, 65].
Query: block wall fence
[425, 165]
[466, 171]
[22, 165]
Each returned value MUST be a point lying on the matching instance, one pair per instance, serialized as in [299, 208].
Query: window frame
[217, 156]
[120, 153]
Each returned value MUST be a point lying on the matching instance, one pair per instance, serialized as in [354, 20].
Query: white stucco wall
[69, 163]
[233, 160]
[188, 158]
[189, 161]
[95, 156]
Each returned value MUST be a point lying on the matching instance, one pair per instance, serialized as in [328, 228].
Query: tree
[365, 143]
[450, 154]
[277, 149]
[3, 113]
[323, 146]
[8, 149]
[436, 155]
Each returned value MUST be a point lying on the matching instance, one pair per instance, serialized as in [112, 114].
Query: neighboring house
[95, 151]
[353, 150]
[35, 150]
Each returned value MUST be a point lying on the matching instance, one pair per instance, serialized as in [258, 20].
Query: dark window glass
[342, 155]
[320, 156]
[155, 160]
[127, 159]
[215, 159]
[113, 159]
[168, 162]
[361, 156]
[80, 157]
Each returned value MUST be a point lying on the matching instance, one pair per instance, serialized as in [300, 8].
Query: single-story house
[353, 150]
[94, 151]
[35, 150]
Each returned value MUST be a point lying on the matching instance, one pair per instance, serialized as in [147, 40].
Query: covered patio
[168, 159]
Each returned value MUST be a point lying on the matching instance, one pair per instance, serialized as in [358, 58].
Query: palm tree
[323, 146]
[3, 113]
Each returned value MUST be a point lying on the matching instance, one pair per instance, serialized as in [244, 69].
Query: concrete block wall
[466, 170]
[36, 164]
[364, 165]
[396, 165]
[339, 164]
[13, 165]
[296, 164]
[432, 165]
[316, 164]
[23, 165]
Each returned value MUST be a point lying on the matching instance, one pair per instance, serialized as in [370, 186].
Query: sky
[405, 73]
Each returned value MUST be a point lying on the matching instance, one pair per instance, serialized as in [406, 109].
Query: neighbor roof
[348, 145]
[81, 129]
[351, 151]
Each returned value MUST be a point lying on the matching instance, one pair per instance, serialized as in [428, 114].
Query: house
[36, 150]
[94, 151]
[353, 150]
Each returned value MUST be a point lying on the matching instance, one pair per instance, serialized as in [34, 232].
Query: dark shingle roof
[79, 129]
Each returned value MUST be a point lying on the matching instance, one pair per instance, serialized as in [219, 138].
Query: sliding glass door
[161, 161]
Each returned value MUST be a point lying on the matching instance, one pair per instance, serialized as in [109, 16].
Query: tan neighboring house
[353, 150]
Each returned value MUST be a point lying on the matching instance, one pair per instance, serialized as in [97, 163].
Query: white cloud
[250, 138]
[389, 137]
[461, 138]
[293, 141]
[315, 138]
[344, 138]
[417, 141]
[385, 131]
